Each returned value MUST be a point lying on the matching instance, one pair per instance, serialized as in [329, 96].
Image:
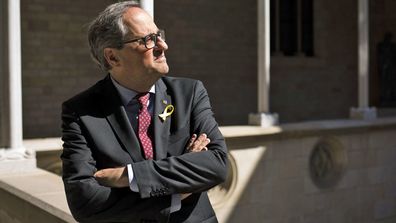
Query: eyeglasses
[150, 41]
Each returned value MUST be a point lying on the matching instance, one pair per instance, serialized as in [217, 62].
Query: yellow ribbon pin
[167, 112]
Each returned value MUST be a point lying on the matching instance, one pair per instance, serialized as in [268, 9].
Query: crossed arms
[118, 177]
[189, 172]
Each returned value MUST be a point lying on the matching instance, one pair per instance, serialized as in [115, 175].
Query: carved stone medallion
[327, 162]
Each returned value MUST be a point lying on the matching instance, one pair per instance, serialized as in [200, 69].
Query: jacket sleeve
[188, 172]
[89, 201]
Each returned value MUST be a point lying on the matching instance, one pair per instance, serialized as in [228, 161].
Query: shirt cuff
[132, 180]
[175, 203]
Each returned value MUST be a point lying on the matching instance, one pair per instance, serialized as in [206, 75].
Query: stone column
[148, 5]
[263, 117]
[13, 156]
[363, 111]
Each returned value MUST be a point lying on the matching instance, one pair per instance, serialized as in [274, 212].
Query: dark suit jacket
[97, 134]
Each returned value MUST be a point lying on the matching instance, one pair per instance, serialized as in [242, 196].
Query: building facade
[332, 170]
[214, 41]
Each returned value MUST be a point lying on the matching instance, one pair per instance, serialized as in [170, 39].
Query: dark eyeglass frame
[151, 36]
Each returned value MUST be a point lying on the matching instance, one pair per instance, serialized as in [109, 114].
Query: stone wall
[274, 182]
[216, 46]
[11, 206]
[323, 86]
[214, 41]
[270, 178]
[55, 59]
[33, 195]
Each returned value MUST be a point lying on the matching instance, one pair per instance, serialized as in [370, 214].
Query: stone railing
[325, 171]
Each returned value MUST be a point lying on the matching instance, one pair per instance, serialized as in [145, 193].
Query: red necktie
[144, 121]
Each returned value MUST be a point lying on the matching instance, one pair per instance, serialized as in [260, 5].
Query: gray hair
[108, 30]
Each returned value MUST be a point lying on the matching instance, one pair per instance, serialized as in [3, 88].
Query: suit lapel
[117, 117]
[161, 128]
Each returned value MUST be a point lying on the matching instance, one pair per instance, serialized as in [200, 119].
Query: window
[291, 27]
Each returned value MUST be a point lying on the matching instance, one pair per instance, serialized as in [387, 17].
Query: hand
[113, 177]
[198, 144]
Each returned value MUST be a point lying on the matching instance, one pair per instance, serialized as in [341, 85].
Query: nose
[161, 44]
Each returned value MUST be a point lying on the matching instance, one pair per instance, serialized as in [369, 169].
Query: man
[139, 146]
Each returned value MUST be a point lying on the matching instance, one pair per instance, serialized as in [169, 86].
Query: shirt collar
[127, 94]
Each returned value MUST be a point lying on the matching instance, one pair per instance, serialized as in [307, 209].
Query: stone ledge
[40, 188]
[246, 132]
[43, 144]
[308, 128]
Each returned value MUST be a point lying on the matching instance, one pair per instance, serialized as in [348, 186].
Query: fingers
[192, 140]
[198, 144]
[202, 142]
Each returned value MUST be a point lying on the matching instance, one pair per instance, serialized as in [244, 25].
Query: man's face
[136, 60]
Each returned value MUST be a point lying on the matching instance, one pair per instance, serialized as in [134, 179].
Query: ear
[111, 56]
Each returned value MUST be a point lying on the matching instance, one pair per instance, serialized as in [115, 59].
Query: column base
[363, 113]
[17, 160]
[263, 119]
